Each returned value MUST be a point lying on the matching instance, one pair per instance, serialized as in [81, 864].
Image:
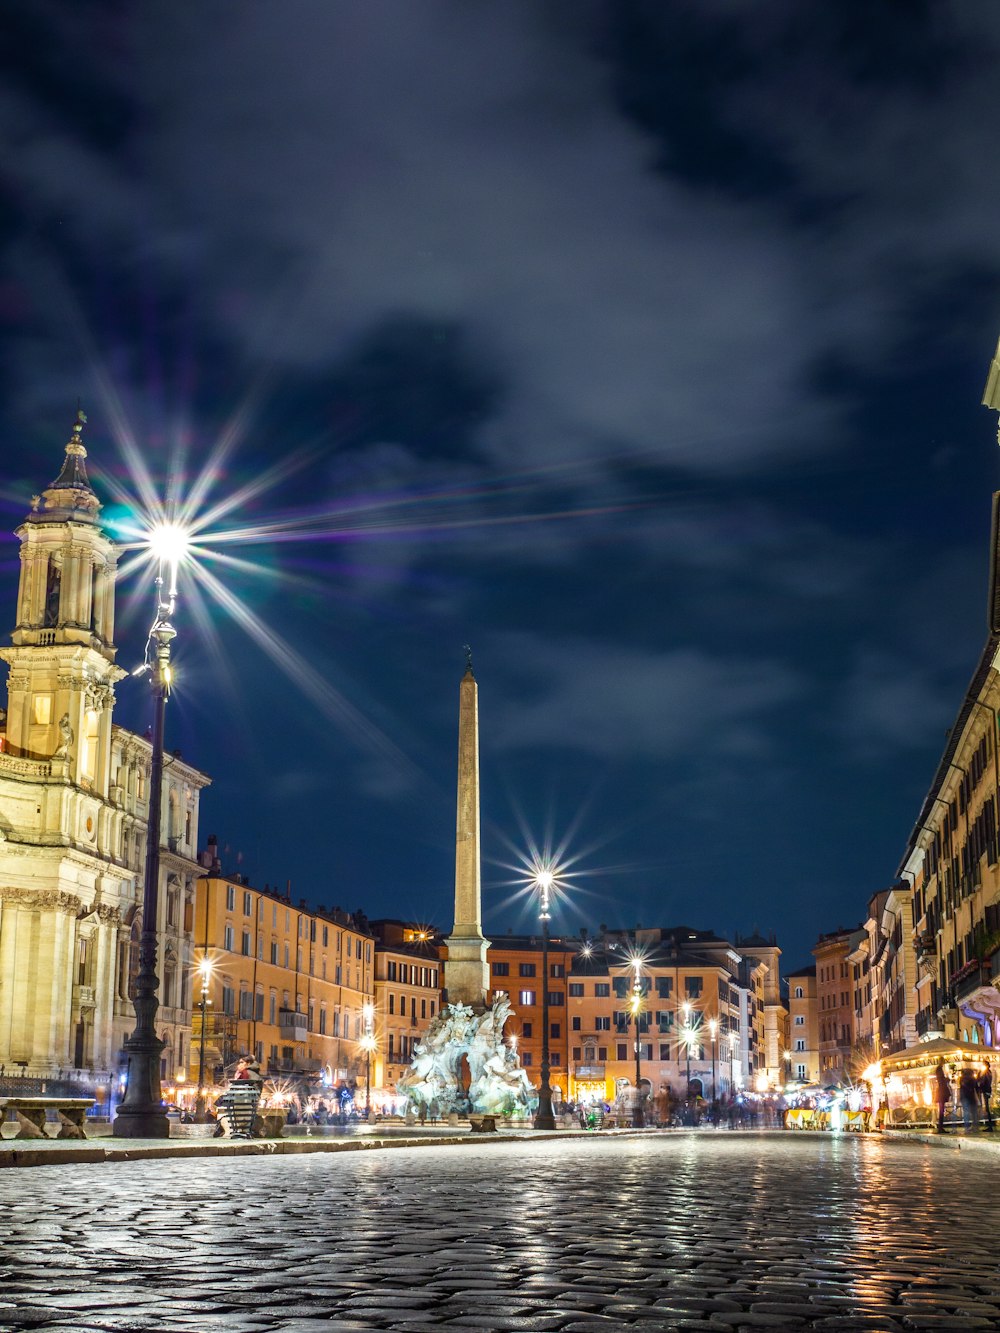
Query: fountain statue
[497, 1083]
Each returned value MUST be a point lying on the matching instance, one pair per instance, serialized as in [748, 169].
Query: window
[664, 1050]
[228, 1000]
[390, 971]
[798, 992]
[602, 1052]
[247, 903]
[402, 1005]
[602, 1024]
[576, 1053]
[246, 1004]
[602, 990]
[322, 1020]
[245, 944]
[576, 1023]
[258, 1007]
[622, 1049]
[555, 1030]
[664, 987]
[230, 898]
[800, 1072]
[799, 1020]
[800, 1044]
[526, 997]
[525, 1059]
[273, 1008]
[274, 952]
[227, 938]
[576, 990]
[499, 969]
[692, 987]
[557, 999]
[326, 936]
[554, 1058]
[526, 970]
[557, 970]
[392, 1003]
[526, 1029]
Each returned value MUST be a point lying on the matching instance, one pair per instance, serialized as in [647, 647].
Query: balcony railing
[293, 1025]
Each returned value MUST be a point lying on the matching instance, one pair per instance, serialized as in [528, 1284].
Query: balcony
[292, 1024]
[969, 979]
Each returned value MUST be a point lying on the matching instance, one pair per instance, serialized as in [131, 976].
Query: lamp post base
[141, 1114]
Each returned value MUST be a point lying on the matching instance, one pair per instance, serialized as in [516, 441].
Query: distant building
[835, 1003]
[408, 973]
[703, 1010]
[803, 1016]
[287, 984]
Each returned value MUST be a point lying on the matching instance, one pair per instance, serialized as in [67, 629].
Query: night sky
[638, 345]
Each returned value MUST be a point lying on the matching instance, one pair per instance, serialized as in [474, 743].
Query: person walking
[942, 1094]
[968, 1095]
[984, 1085]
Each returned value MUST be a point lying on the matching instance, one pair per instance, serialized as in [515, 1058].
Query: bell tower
[62, 671]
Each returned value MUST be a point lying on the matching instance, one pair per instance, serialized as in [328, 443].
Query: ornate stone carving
[42, 899]
[497, 1083]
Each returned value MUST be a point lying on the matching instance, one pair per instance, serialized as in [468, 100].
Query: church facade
[73, 815]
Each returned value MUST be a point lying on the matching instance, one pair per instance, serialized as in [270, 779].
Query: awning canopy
[926, 1054]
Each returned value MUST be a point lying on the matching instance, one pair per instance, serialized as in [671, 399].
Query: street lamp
[734, 1042]
[368, 1045]
[140, 1113]
[201, 1116]
[635, 1005]
[686, 1011]
[788, 1066]
[713, 1028]
[544, 1119]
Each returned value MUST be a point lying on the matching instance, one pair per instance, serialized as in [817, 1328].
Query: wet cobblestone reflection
[719, 1231]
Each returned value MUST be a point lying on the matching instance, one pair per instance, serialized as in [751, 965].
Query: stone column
[466, 971]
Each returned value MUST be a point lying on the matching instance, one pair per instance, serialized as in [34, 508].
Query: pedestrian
[985, 1086]
[968, 1095]
[942, 1094]
[242, 1069]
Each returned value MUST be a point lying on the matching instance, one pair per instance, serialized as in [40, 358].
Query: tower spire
[467, 971]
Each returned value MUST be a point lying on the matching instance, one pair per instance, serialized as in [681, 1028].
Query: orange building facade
[285, 983]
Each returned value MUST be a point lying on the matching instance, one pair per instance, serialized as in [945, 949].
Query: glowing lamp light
[168, 542]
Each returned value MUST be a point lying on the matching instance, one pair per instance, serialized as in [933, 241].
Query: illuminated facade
[803, 1025]
[407, 997]
[702, 1011]
[287, 984]
[73, 814]
[835, 1003]
[951, 859]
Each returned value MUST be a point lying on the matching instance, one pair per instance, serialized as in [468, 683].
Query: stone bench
[31, 1115]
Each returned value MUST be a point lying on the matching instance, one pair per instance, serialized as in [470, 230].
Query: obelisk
[467, 971]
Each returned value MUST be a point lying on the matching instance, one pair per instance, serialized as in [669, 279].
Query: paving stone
[654, 1232]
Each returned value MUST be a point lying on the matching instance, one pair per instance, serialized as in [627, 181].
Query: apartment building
[803, 1014]
[287, 983]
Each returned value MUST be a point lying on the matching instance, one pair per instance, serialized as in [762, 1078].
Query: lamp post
[686, 1011]
[713, 1028]
[140, 1113]
[734, 1042]
[788, 1066]
[368, 1041]
[635, 1004]
[201, 1116]
[544, 1119]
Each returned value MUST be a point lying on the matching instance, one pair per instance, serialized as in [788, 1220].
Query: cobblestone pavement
[699, 1230]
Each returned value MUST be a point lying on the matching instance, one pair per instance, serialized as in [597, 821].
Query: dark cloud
[717, 281]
